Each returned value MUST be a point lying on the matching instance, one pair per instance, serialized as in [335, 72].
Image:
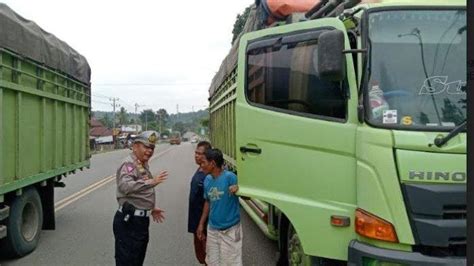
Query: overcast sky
[158, 54]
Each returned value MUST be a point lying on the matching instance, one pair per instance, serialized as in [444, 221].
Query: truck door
[295, 133]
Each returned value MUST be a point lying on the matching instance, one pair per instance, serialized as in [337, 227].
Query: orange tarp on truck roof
[280, 9]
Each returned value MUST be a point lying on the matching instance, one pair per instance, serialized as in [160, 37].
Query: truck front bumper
[360, 253]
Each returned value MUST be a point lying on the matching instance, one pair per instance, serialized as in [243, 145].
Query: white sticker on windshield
[389, 117]
[438, 84]
[448, 124]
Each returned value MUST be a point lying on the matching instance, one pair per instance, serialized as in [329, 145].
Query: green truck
[44, 127]
[346, 127]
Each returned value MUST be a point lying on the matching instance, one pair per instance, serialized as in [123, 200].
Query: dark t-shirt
[196, 201]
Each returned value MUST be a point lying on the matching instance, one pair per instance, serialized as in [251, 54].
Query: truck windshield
[417, 69]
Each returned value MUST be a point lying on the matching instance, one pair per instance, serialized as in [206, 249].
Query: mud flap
[47, 200]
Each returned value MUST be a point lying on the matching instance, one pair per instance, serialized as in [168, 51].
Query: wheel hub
[29, 223]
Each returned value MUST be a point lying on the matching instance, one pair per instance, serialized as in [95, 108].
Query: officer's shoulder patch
[128, 167]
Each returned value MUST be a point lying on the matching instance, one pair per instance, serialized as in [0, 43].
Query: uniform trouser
[200, 249]
[224, 247]
[131, 239]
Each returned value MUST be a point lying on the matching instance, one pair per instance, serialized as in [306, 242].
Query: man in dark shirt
[196, 202]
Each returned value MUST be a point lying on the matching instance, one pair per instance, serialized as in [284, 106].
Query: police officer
[136, 199]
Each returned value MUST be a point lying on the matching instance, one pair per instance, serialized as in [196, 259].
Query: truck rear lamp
[371, 226]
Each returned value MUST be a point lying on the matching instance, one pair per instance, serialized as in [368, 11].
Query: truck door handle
[244, 149]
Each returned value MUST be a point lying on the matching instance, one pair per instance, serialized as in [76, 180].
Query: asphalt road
[85, 210]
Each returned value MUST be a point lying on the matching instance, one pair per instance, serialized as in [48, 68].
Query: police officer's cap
[149, 138]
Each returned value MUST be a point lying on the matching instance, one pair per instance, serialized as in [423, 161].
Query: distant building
[97, 129]
[99, 133]
[131, 128]
[189, 135]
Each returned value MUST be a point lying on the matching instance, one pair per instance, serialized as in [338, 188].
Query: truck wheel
[23, 225]
[294, 249]
[294, 255]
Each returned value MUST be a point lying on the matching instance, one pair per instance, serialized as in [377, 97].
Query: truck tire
[291, 251]
[294, 249]
[23, 225]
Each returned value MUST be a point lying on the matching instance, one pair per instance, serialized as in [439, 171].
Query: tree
[106, 120]
[162, 118]
[165, 132]
[180, 127]
[451, 113]
[424, 118]
[123, 116]
[153, 126]
[240, 23]
[147, 116]
[205, 122]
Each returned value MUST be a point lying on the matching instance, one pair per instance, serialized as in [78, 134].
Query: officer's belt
[140, 213]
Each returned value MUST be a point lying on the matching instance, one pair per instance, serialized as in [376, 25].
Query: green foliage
[189, 121]
[180, 127]
[424, 118]
[451, 113]
[153, 125]
[106, 120]
[162, 118]
[240, 23]
[205, 122]
[147, 116]
[123, 116]
[165, 132]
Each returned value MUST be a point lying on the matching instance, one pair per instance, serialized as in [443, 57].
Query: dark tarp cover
[27, 39]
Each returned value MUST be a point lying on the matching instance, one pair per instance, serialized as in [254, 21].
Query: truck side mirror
[331, 60]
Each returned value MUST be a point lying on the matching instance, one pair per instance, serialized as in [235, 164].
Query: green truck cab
[346, 131]
[44, 127]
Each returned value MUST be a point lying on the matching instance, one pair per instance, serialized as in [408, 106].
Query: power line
[100, 96]
[128, 104]
[123, 102]
[99, 102]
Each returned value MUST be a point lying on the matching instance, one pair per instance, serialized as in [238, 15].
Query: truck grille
[454, 212]
[438, 218]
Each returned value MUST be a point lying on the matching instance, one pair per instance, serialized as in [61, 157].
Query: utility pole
[160, 115]
[177, 113]
[136, 115]
[114, 105]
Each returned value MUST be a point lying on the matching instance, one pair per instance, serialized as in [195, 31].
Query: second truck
[44, 127]
[346, 127]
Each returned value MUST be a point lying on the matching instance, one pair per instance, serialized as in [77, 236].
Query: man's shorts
[224, 247]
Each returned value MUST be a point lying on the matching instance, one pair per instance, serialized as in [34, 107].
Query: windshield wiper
[440, 141]
[417, 33]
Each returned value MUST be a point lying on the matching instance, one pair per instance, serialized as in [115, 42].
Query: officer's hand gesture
[160, 178]
[157, 214]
